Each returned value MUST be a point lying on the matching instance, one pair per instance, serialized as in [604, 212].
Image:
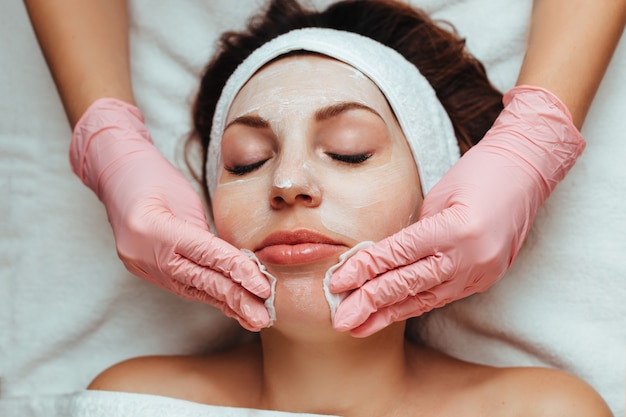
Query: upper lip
[295, 237]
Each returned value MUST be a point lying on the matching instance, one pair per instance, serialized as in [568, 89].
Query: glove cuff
[540, 92]
[105, 115]
[544, 131]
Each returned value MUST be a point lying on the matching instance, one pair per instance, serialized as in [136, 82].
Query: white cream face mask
[293, 148]
[303, 122]
[289, 95]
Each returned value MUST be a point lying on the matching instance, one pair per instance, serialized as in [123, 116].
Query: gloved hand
[158, 219]
[473, 221]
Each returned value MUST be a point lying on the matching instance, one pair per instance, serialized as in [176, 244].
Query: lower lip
[302, 253]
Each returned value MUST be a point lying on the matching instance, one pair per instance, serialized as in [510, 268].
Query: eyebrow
[249, 120]
[335, 110]
[325, 113]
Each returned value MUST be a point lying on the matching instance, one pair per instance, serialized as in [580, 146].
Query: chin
[300, 295]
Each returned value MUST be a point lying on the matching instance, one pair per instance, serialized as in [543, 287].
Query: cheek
[373, 204]
[239, 211]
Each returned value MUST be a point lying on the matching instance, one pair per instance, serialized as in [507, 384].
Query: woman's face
[313, 162]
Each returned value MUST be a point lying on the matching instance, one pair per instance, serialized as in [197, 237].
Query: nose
[294, 184]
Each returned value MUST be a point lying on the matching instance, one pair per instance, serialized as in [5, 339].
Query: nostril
[278, 199]
[306, 198]
[283, 200]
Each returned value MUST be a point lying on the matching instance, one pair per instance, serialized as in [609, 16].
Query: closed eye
[350, 159]
[245, 169]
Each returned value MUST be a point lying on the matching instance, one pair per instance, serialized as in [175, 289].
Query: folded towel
[120, 404]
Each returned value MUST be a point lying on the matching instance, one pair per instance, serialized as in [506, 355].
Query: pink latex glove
[473, 221]
[158, 219]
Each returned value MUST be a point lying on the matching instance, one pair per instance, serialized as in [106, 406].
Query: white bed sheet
[69, 309]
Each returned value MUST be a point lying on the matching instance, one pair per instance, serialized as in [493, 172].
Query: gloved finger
[412, 244]
[389, 315]
[195, 294]
[392, 288]
[251, 325]
[205, 285]
[205, 249]
[386, 316]
[414, 306]
[242, 321]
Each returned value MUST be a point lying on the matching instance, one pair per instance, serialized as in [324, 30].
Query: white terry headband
[421, 116]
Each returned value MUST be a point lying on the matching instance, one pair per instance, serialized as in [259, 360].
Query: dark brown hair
[459, 79]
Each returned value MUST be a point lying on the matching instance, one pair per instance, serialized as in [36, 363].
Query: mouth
[298, 247]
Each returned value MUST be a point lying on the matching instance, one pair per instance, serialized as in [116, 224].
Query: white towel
[119, 404]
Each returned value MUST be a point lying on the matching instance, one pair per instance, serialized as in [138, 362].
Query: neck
[331, 372]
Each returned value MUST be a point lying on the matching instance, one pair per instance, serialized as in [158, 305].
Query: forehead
[306, 80]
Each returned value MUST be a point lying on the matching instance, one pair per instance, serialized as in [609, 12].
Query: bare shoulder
[226, 378]
[546, 392]
[517, 391]
[147, 374]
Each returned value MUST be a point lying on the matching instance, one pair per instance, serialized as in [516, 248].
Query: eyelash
[245, 169]
[350, 159]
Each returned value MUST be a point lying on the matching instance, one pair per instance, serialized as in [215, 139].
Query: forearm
[85, 43]
[570, 45]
